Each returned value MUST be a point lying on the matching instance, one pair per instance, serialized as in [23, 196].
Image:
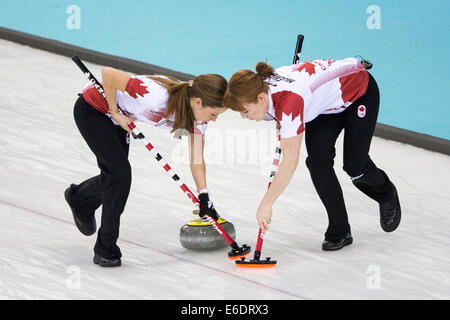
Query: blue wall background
[409, 51]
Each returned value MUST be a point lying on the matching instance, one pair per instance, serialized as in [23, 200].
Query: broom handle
[259, 243]
[275, 164]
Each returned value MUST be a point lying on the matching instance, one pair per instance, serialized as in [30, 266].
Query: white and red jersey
[144, 99]
[299, 93]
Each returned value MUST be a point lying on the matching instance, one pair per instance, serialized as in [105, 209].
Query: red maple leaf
[308, 67]
[135, 88]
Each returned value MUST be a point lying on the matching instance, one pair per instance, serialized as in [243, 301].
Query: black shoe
[390, 213]
[86, 227]
[338, 244]
[104, 262]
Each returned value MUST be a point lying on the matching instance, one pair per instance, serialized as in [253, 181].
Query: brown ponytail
[208, 87]
[264, 70]
[245, 85]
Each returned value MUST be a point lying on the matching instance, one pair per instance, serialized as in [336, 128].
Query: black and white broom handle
[298, 48]
[96, 83]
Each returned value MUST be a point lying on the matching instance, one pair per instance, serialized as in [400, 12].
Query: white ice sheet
[43, 256]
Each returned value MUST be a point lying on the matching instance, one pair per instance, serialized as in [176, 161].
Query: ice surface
[43, 256]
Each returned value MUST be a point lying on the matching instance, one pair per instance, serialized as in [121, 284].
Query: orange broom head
[241, 256]
[251, 265]
[240, 252]
[256, 263]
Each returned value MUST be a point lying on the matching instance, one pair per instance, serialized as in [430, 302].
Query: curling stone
[201, 236]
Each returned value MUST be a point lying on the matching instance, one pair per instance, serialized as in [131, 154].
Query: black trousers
[111, 187]
[320, 137]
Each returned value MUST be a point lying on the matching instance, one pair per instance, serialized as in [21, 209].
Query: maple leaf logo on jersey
[308, 67]
[288, 122]
[135, 88]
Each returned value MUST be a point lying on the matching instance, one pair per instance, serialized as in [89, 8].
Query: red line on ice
[162, 252]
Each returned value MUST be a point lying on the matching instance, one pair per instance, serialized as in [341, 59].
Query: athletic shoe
[338, 244]
[104, 262]
[86, 227]
[390, 213]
